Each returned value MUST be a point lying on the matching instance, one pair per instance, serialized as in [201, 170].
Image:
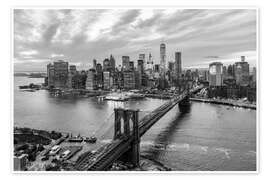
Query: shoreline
[225, 102]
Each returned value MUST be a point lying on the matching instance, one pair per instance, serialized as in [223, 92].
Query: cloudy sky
[78, 36]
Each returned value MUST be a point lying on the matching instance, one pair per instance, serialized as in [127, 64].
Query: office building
[91, 81]
[129, 79]
[131, 66]
[99, 75]
[254, 74]
[140, 66]
[149, 63]
[112, 63]
[60, 73]
[50, 75]
[94, 63]
[162, 59]
[242, 72]
[106, 65]
[106, 80]
[125, 62]
[72, 69]
[178, 65]
[215, 74]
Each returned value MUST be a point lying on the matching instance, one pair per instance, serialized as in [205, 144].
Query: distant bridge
[127, 132]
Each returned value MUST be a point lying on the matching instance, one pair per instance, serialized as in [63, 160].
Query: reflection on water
[204, 137]
[164, 138]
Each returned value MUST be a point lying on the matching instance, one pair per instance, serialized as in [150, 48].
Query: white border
[137, 172]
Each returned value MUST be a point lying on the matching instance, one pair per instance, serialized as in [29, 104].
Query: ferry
[75, 139]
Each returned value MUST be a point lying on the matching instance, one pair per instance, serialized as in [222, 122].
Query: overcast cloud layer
[78, 36]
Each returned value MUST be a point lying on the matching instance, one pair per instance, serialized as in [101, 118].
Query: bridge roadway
[104, 157]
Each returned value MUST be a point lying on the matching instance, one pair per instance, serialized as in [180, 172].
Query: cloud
[29, 53]
[57, 55]
[81, 35]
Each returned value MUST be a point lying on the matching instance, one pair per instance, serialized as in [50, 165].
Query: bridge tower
[184, 87]
[127, 126]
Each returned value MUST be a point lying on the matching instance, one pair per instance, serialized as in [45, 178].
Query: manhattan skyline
[79, 36]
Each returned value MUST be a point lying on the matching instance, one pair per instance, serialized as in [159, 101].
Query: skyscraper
[178, 65]
[216, 74]
[50, 75]
[140, 66]
[125, 62]
[162, 59]
[94, 63]
[112, 63]
[142, 57]
[60, 73]
[106, 65]
[106, 80]
[242, 72]
[91, 82]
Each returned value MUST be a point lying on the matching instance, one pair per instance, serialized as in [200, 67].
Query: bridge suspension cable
[105, 127]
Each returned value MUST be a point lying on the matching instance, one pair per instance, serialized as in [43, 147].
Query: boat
[24, 87]
[75, 139]
[92, 139]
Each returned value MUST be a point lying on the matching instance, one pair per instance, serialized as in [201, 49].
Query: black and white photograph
[135, 89]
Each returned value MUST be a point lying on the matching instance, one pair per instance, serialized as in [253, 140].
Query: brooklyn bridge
[128, 130]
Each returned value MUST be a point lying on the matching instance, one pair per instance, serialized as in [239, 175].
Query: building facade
[125, 62]
[129, 79]
[162, 59]
[91, 82]
[106, 80]
[178, 65]
[215, 74]
[242, 72]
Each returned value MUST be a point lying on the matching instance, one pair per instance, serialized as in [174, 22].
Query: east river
[208, 137]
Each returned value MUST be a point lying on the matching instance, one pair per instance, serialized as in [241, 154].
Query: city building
[140, 69]
[129, 79]
[94, 63]
[178, 65]
[72, 69]
[106, 80]
[140, 66]
[150, 63]
[254, 74]
[242, 72]
[59, 72]
[131, 66]
[106, 65]
[112, 63]
[79, 80]
[156, 71]
[50, 75]
[162, 59]
[99, 76]
[215, 74]
[230, 71]
[142, 57]
[171, 67]
[91, 81]
[125, 62]
[118, 80]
